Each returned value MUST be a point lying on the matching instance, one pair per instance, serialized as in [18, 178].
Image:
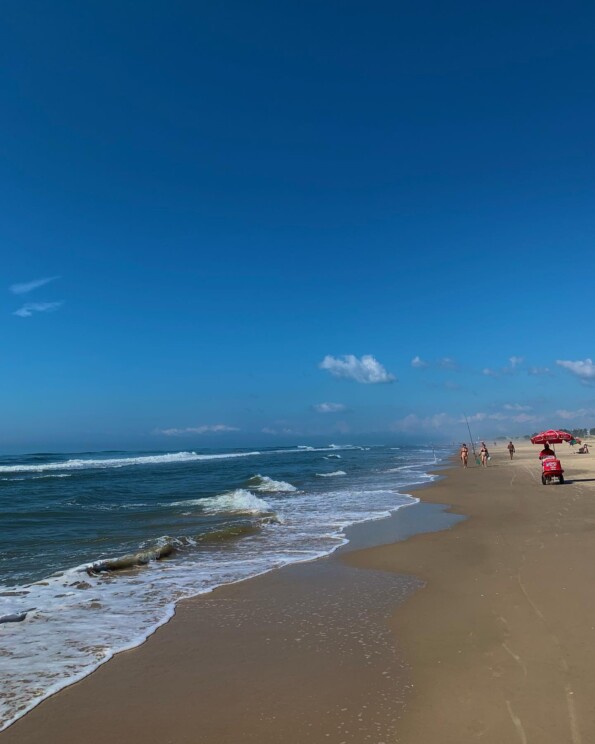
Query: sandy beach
[479, 630]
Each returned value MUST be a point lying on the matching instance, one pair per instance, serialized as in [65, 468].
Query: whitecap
[239, 501]
[331, 475]
[264, 483]
[120, 462]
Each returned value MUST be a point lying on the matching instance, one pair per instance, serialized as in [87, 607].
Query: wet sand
[483, 631]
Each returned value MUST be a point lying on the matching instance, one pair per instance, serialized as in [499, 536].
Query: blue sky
[233, 222]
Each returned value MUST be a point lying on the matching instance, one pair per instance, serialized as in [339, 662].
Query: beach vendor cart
[551, 467]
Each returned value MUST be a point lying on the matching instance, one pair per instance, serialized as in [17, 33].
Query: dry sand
[498, 646]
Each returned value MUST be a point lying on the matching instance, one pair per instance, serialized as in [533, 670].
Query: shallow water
[184, 522]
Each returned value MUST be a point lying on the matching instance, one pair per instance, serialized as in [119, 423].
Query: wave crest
[264, 483]
[331, 475]
[240, 501]
[120, 462]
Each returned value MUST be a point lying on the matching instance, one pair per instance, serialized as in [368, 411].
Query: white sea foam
[38, 477]
[121, 462]
[239, 501]
[172, 457]
[264, 483]
[331, 475]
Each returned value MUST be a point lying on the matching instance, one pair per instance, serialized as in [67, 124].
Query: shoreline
[350, 648]
[343, 540]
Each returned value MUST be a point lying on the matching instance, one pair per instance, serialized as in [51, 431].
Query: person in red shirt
[546, 452]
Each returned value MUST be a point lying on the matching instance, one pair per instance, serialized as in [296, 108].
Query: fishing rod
[471, 438]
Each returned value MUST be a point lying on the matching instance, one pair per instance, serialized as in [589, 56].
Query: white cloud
[584, 369]
[525, 418]
[26, 287]
[329, 407]
[521, 418]
[418, 363]
[29, 308]
[475, 417]
[366, 370]
[213, 428]
[510, 369]
[447, 363]
[413, 423]
[580, 413]
[516, 407]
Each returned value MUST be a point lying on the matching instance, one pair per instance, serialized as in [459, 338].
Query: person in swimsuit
[511, 449]
[484, 454]
[464, 455]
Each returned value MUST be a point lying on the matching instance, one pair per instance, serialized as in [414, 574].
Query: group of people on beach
[484, 454]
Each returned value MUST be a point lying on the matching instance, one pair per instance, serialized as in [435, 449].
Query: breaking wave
[239, 501]
[120, 462]
[264, 483]
[331, 475]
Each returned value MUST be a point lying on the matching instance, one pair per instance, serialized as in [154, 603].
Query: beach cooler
[551, 468]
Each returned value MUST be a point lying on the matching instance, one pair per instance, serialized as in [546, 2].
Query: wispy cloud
[514, 362]
[584, 369]
[474, 418]
[280, 432]
[578, 414]
[366, 370]
[206, 429]
[526, 418]
[26, 287]
[413, 423]
[516, 407]
[539, 371]
[418, 363]
[448, 363]
[29, 308]
[519, 418]
[329, 407]
[444, 363]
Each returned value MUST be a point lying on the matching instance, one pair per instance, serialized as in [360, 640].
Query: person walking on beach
[484, 454]
[511, 449]
[464, 455]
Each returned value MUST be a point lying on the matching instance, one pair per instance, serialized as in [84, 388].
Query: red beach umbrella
[552, 436]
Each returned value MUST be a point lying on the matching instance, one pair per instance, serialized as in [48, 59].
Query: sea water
[97, 548]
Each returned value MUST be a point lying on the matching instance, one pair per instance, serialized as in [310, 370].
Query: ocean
[98, 547]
